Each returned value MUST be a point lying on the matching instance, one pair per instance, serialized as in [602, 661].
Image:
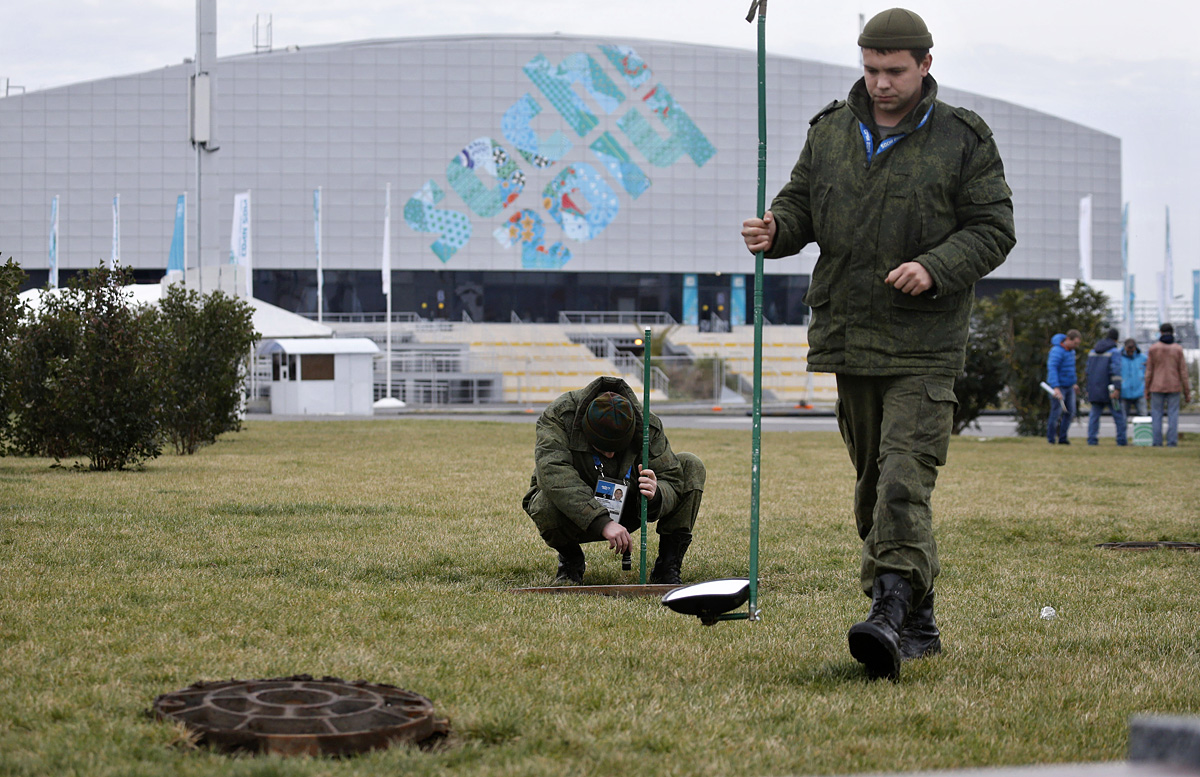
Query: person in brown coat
[1166, 379]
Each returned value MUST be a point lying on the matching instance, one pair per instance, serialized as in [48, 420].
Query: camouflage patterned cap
[609, 421]
[895, 28]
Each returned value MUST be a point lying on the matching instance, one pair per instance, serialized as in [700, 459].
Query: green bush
[204, 343]
[115, 376]
[986, 372]
[11, 312]
[1020, 324]
[44, 420]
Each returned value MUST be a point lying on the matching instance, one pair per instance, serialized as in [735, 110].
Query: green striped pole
[756, 434]
[645, 440]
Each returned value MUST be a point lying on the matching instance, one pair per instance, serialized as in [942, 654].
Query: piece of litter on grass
[1048, 613]
[983, 439]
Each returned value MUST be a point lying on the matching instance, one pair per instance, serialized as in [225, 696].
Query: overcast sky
[1128, 70]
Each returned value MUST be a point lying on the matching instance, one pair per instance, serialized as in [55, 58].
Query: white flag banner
[54, 242]
[115, 258]
[387, 240]
[1085, 239]
[1126, 279]
[240, 246]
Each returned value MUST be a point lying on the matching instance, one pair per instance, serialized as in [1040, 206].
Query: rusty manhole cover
[300, 715]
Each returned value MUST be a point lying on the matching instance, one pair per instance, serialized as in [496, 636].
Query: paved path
[990, 425]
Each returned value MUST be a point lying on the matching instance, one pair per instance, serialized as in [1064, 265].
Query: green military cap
[895, 28]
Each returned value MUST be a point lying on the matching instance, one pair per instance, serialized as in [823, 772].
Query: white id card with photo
[611, 494]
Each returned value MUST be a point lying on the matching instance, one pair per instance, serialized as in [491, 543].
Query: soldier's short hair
[917, 54]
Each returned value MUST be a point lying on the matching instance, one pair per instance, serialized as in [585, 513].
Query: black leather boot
[875, 642]
[671, 549]
[571, 565]
[920, 636]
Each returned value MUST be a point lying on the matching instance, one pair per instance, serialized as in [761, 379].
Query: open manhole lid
[1194, 547]
[301, 715]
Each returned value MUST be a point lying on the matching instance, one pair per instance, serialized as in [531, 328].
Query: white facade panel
[580, 161]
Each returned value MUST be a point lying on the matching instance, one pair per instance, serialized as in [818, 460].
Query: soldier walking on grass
[906, 198]
[589, 443]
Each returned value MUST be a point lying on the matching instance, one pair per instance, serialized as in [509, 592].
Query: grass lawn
[385, 551]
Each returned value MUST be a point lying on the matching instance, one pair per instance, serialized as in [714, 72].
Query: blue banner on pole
[175, 257]
[691, 300]
[115, 258]
[54, 242]
[737, 300]
[1132, 299]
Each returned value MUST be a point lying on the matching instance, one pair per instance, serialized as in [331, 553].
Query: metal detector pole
[645, 442]
[756, 433]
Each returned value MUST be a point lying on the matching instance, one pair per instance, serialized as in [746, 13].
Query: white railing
[365, 318]
[633, 366]
[641, 318]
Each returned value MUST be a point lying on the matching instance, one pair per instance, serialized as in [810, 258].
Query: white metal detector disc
[709, 599]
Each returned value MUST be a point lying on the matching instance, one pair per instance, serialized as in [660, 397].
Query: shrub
[85, 375]
[204, 343]
[11, 312]
[115, 374]
[44, 420]
[1024, 323]
[986, 372]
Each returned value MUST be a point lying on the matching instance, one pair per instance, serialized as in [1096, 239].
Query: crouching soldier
[586, 470]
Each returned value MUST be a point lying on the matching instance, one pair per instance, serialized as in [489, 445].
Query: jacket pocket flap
[940, 393]
[988, 191]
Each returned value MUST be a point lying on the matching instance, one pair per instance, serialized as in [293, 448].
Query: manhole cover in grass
[300, 715]
[1194, 547]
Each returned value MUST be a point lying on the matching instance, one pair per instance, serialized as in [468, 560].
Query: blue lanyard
[600, 467]
[888, 142]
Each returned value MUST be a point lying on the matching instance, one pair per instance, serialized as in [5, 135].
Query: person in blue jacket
[1133, 379]
[1060, 376]
[1104, 386]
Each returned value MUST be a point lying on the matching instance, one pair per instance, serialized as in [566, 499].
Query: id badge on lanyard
[611, 492]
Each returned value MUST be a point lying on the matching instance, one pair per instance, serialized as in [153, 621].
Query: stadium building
[531, 177]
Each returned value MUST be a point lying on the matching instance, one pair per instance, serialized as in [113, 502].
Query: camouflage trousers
[559, 531]
[897, 431]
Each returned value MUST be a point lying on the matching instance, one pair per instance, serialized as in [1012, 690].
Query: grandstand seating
[532, 364]
[784, 361]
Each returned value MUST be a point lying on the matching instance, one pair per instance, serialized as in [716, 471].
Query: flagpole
[387, 279]
[320, 270]
[756, 426]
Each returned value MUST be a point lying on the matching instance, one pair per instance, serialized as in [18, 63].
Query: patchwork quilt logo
[581, 198]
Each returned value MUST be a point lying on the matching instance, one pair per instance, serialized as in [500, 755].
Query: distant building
[530, 175]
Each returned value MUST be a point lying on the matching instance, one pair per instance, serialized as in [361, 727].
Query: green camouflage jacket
[565, 464]
[937, 196]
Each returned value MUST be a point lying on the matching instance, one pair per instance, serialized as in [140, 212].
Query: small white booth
[322, 376]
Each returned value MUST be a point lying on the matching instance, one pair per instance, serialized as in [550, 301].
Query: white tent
[270, 322]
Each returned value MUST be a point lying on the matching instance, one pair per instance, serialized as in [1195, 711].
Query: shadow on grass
[828, 675]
